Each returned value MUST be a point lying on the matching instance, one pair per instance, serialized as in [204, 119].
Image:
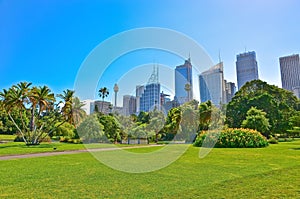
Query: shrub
[70, 140]
[44, 138]
[273, 140]
[232, 138]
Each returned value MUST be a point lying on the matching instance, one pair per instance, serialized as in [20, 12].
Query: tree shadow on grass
[295, 148]
[23, 145]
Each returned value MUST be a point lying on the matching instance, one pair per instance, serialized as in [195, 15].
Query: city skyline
[46, 42]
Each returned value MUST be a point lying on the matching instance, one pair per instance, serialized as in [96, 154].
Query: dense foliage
[278, 104]
[232, 138]
[33, 113]
[256, 119]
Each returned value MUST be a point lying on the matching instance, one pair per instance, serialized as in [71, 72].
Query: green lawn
[13, 148]
[272, 172]
[4, 137]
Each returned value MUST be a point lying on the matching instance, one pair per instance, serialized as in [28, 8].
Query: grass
[271, 172]
[4, 137]
[14, 148]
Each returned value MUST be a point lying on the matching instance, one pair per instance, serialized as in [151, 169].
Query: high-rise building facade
[129, 105]
[183, 76]
[246, 68]
[150, 97]
[89, 106]
[212, 85]
[290, 72]
[230, 90]
[103, 106]
[138, 93]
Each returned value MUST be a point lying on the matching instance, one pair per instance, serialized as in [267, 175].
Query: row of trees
[34, 113]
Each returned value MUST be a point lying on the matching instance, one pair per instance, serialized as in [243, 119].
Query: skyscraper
[230, 90]
[212, 85]
[129, 105]
[290, 72]
[183, 76]
[138, 93]
[150, 97]
[246, 68]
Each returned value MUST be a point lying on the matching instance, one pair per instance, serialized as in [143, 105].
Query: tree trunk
[12, 119]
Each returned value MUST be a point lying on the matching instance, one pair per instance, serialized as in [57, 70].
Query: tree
[256, 119]
[37, 113]
[189, 122]
[156, 122]
[78, 113]
[67, 109]
[205, 112]
[277, 103]
[111, 127]
[103, 93]
[295, 125]
[91, 129]
[66, 129]
[143, 117]
[172, 125]
[127, 123]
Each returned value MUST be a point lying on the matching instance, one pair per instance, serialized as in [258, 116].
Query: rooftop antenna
[219, 56]
[245, 48]
[154, 76]
[189, 57]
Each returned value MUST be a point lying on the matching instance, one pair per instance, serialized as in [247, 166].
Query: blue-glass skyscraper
[150, 97]
[246, 68]
[183, 76]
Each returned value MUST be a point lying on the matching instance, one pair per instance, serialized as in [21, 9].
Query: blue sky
[45, 42]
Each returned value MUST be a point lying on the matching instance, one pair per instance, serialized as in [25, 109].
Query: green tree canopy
[277, 103]
[256, 119]
[33, 111]
[90, 129]
[172, 124]
[111, 127]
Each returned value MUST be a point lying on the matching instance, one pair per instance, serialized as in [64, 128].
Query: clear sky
[46, 41]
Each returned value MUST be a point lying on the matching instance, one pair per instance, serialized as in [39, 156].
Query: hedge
[232, 138]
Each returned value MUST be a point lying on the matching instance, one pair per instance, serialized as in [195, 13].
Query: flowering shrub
[232, 138]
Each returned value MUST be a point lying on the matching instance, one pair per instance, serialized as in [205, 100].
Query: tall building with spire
[150, 97]
[246, 68]
[212, 85]
[290, 72]
[184, 82]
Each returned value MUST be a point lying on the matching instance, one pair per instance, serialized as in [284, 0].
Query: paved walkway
[43, 154]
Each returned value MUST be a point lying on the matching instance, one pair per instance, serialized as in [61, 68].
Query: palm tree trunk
[102, 105]
[12, 119]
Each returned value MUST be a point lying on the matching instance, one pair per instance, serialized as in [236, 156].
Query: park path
[43, 154]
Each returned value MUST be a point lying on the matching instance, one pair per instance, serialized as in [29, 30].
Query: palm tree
[67, 97]
[17, 97]
[78, 112]
[103, 93]
[41, 98]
